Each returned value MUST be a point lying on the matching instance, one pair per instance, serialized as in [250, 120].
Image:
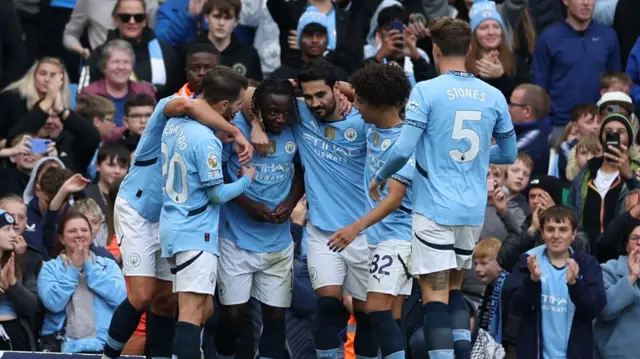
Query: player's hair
[92, 106]
[230, 8]
[526, 160]
[114, 152]
[558, 214]
[583, 109]
[273, 86]
[389, 15]
[487, 248]
[318, 70]
[223, 84]
[536, 97]
[591, 142]
[381, 85]
[452, 36]
[608, 78]
[138, 100]
[199, 48]
[88, 206]
[53, 178]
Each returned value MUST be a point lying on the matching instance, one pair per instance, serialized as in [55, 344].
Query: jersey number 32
[169, 168]
[460, 133]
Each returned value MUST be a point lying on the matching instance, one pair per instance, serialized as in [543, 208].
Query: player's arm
[224, 192]
[505, 151]
[345, 235]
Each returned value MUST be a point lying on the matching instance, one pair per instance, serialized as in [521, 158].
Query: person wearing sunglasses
[153, 58]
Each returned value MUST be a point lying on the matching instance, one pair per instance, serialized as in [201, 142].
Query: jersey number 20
[459, 133]
[169, 168]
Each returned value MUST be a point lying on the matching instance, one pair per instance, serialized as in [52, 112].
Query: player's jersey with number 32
[191, 163]
[459, 114]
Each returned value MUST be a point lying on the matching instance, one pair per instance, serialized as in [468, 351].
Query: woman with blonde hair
[491, 57]
[20, 97]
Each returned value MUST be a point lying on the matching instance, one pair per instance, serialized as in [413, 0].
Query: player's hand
[299, 211]
[260, 213]
[75, 183]
[259, 139]
[243, 148]
[534, 268]
[373, 189]
[619, 158]
[572, 271]
[283, 212]
[342, 238]
[248, 171]
[345, 105]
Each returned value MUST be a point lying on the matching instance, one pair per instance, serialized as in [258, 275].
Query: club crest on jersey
[350, 134]
[385, 144]
[412, 105]
[272, 147]
[212, 160]
[330, 133]
[290, 147]
[376, 138]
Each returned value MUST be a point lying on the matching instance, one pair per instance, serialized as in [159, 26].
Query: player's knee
[164, 304]
[141, 293]
[191, 307]
[273, 313]
[208, 310]
[331, 310]
[235, 313]
[377, 302]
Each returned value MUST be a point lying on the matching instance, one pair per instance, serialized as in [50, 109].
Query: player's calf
[437, 328]
[459, 314]
[331, 318]
[232, 319]
[388, 334]
[161, 321]
[274, 336]
[186, 342]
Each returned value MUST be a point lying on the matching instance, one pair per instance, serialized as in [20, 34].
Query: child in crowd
[584, 120]
[517, 180]
[112, 164]
[492, 311]
[100, 111]
[137, 110]
[90, 209]
[587, 148]
[499, 217]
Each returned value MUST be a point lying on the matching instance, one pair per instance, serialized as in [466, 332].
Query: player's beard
[326, 110]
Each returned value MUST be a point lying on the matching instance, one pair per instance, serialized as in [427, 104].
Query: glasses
[138, 18]
[634, 238]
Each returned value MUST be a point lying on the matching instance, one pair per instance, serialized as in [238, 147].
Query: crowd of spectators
[79, 80]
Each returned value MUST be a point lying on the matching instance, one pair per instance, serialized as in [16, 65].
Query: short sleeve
[405, 175]
[208, 162]
[417, 110]
[504, 126]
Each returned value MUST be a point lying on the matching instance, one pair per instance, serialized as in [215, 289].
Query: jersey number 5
[459, 133]
[169, 168]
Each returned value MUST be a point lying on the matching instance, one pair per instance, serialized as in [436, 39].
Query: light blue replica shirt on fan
[450, 121]
[192, 170]
[333, 156]
[271, 186]
[142, 186]
[397, 225]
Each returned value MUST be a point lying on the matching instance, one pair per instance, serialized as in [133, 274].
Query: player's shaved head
[222, 83]
[451, 36]
[381, 85]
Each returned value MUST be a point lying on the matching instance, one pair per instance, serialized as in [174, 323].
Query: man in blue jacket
[557, 292]
[569, 58]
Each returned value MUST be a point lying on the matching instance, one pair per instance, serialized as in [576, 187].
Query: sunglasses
[125, 18]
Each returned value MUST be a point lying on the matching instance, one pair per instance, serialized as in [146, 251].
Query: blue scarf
[495, 308]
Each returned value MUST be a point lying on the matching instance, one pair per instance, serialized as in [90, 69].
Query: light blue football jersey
[397, 225]
[459, 114]
[191, 163]
[142, 186]
[271, 186]
[333, 157]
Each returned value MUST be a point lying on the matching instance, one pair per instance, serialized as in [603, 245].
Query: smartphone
[491, 185]
[39, 145]
[398, 25]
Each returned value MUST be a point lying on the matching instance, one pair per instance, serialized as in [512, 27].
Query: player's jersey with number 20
[459, 114]
[191, 162]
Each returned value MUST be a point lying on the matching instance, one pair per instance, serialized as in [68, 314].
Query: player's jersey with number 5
[191, 162]
[459, 114]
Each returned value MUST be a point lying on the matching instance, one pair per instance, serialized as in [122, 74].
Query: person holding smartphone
[597, 193]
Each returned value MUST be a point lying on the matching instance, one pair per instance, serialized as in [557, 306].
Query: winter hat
[6, 219]
[484, 10]
[549, 184]
[620, 118]
[616, 98]
[311, 16]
